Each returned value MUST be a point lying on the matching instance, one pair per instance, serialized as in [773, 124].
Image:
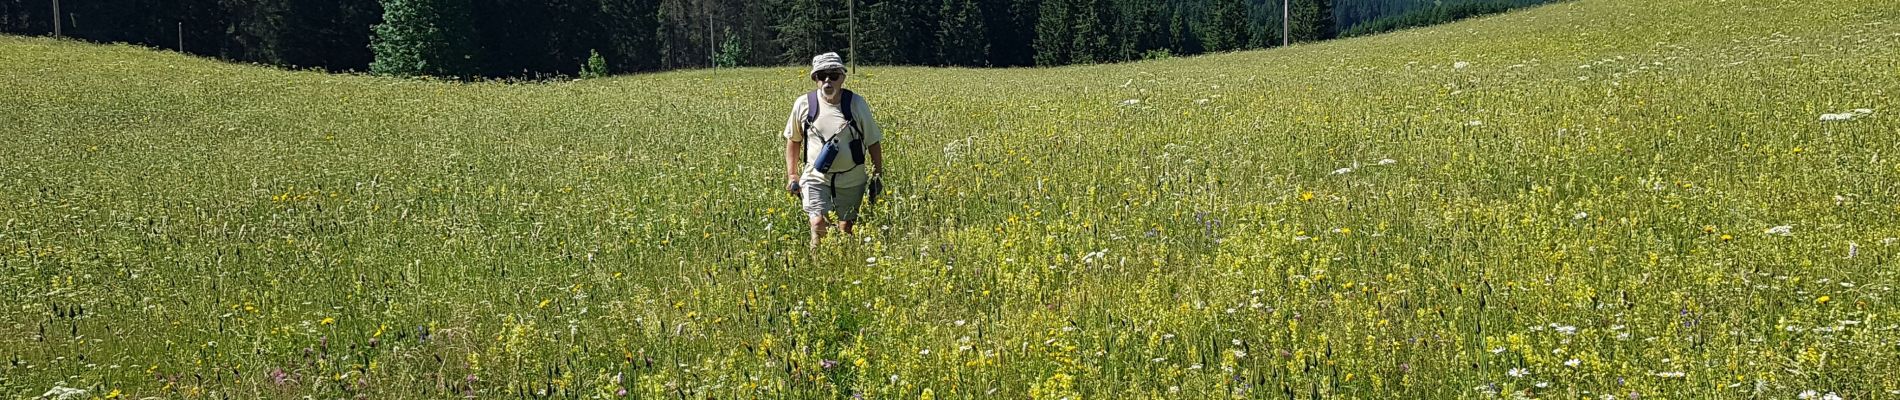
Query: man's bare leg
[849, 227]
[818, 227]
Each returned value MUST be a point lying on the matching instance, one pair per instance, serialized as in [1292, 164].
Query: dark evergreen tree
[629, 28]
[333, 35]
[1312, 21]
[878, 29]
[961, 36]
[1054, 33]
[1227, 27]
[424, 37]
[1183, 39]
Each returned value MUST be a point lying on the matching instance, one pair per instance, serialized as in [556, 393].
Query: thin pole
[181, 36]
[56, 27]
[1286, 24]
[851, 7]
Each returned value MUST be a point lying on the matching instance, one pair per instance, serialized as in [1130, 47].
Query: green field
[1592, 199]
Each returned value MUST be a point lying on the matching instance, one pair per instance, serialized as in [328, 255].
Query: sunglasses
[828, 76]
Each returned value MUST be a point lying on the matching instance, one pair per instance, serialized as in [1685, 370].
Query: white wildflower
[1783, 230]
[1670, 374]
[1518, 372]
[1388, 161]
[1572, 363]
[1830, 396]
[1808, 395]
[1460, 65]
[1342, 171]
[1202, 101]
[1838, 117]
[1499, 350]
[1580, 215]
[63, 393]
[1475, 123]
[1131, 102]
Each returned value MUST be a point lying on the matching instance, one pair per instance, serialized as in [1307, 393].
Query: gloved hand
[875, 188]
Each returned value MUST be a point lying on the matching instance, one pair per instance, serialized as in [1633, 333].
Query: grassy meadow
[1609, 199]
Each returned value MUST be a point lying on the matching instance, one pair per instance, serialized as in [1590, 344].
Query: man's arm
[792, 149]
[873, 133]
[794, 139]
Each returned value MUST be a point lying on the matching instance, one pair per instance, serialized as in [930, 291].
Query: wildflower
[1499, 350]
[1783, 230]
[1130, 102]
[1518, 372]
[1726, 237]
[1567, 330]
[1475, 123]
[1808, 395]
[1670, 374]
[1822, 300]
[1580, 215]
[1572, 362]
[1460, 65]
[1306, 196]
[1342, 171]
[327, 321]
[1388, 161]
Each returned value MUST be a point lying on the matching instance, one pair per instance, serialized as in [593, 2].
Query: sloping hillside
[1679, 198]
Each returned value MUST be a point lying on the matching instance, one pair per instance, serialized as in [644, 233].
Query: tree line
[512, 38]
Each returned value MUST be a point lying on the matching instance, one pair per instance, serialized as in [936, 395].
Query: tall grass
[1590, 199]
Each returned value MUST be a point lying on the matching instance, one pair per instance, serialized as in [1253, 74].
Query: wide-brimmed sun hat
[826, 62]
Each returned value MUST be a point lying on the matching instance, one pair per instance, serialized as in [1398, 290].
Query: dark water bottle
[826, 156]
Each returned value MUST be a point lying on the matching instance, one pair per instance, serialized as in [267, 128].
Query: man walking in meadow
[828, 138]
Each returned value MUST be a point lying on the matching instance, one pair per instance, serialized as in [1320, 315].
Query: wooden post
[851, 45]
[1286, 21]
[181, 36]
[56, 17]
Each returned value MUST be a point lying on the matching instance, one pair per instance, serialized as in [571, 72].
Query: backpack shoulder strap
[845, 97]
[811, 109]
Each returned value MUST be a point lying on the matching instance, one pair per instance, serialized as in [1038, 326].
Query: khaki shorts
[821, 198]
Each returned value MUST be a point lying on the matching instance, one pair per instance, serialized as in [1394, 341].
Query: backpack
[845, 97]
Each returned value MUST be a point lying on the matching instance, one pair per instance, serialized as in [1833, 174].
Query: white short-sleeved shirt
[831, 126]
